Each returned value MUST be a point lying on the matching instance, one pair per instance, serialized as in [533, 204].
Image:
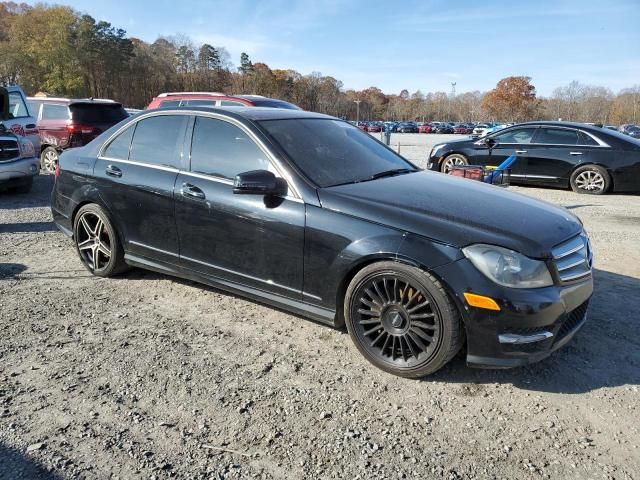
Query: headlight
[434, 150]
[508, 268]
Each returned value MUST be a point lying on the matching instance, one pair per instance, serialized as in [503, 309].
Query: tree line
[59, 51]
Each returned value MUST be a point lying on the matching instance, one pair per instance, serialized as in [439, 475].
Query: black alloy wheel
[402, 320]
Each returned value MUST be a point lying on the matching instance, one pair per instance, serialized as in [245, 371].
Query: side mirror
[490, 142]
[259, 182]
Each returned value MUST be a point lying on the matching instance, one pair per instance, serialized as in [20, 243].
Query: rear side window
[519, 135]
[97, 113]
[587, 140]
[231, 103]
[119, 147]
[34, 107]
[51, 111]
[221, 149]
[557, 136]
[158, 140]
[199, 103]
[170, 103]
[17, 106]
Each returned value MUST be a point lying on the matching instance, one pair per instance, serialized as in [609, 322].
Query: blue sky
[421, 44]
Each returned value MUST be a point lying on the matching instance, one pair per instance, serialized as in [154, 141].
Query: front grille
[574, 318]
[9, 150]
[573, 258]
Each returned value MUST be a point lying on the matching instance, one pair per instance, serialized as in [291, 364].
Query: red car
[373, 127]
[215, 99]
[65, 123]
[425, 128]
[463, 129]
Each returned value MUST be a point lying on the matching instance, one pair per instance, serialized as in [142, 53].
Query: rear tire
[402, 320]
[590, 179]
[49, 160]
[97, 242]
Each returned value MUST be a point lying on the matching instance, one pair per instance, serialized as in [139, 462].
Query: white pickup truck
[19, 141]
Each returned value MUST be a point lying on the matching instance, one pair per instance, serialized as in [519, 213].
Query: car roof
[252, 113]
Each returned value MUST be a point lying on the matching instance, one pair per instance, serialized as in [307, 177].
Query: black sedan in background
[308, 213]
[587, 158]
[407, 127]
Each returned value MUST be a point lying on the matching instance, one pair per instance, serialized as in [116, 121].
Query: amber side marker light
[480, 301]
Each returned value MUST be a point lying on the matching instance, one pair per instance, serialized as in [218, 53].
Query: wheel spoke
[386, 343]
[417, 341]
[86, 245]
[402, 351]
[393, 348]
[382, 296]
[371, 313]
[371, 305]
[97, 230]
[382, 334]
[85, 225]
[422, 334]
[378, 301]
[418, 307]
[422, 315]
[94, 258]
[104, 250]
[372, 330]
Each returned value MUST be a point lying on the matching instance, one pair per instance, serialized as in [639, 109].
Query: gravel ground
[144, 376]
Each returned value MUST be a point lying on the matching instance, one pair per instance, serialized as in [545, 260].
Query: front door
[136, 176]
[512, 141]
[253, 240]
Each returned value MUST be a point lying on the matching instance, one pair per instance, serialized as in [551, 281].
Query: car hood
[456, 211]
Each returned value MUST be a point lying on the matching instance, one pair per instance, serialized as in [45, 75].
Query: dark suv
[65, 123]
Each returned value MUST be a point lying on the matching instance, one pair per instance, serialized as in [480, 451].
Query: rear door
[554, 154]
[53, 123]
[136, 174]
[90, 119]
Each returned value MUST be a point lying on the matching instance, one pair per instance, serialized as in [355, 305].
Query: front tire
[97, 242]
[590, 179]
[49, 159]
[402, 320]
[453, 160]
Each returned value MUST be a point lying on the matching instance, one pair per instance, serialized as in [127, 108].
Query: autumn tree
[513, 99]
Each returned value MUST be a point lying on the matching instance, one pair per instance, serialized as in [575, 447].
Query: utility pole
[453, 96]
[357, 102]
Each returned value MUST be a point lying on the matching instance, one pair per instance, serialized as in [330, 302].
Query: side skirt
[313, 312]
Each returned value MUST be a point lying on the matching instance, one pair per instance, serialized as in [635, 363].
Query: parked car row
[587, 158]
[478, 129]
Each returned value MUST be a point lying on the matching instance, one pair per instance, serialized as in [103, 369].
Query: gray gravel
[144, 376]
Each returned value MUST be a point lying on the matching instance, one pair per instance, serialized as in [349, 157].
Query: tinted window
[110, 113]
[586, 139]
[557, 136]
[51, 111]
[119, 147]
[158, 140]
[170, 103]
[199, 103]
[518, 135]
[332, 152]
[269, 102]
[17, 107]
[222, 149]
[231, 103]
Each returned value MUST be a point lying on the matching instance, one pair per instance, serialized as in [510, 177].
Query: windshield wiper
[391, 173]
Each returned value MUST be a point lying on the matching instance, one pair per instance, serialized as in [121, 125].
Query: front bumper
[19, 171]
[531, 325]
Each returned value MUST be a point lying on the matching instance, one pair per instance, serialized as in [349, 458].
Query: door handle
[30, 125]
[113, 171]
[192, 191]
[521, 151]
[575, 153]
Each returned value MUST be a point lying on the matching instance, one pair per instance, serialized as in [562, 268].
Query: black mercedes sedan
[587, 158]
[307, 213]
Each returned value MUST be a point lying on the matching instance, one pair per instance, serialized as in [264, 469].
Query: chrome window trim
[271, 158]
[601, 143]
[142, 164]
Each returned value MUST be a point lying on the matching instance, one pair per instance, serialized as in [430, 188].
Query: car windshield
[333, 152]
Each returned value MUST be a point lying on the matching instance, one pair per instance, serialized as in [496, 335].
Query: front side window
[17, 106]
[557, 136]
[221, 149]
[119, 147]
[51, 111]
[170, 104]
[158, 140]
[231, 103]
[333, 152]
[518, 135]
